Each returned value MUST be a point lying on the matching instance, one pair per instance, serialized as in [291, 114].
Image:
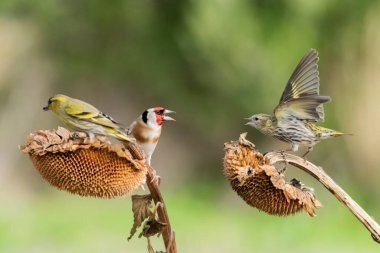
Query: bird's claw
[156, 179]
[307, 152]
[283, 170]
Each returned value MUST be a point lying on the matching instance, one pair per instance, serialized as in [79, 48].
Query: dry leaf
[63, 133]
[152, 227]
[150, 248]
[141, 205]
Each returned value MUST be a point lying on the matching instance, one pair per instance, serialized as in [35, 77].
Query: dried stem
[153, 185]
[167, 234]
[334, 188]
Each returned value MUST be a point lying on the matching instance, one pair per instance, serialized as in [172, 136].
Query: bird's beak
[249, 120]
[166, 117]
[47, 108]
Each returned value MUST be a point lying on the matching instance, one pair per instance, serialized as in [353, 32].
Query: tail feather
[323, 133]
[118, 133]
[332, 133]
[123, 136]
[337, 133]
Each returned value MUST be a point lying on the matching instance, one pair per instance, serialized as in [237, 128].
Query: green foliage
[66, 223]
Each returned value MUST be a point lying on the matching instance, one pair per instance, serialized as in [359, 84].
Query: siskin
[300, 106]
[82, 116]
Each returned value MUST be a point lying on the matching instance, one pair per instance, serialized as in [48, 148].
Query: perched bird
[300, 106]
[146, 129]
[84, 117]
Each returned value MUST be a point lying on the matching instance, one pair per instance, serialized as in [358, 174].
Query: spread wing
[301, 97]
[84, 111]
[308, 108]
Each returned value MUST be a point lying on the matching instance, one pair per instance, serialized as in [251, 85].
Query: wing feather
[305, 79]
[304, 108]
[84, 111]
[80, 109]
[301, 97]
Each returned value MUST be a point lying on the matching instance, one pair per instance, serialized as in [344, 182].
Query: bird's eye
[160, 112]
[256, 118]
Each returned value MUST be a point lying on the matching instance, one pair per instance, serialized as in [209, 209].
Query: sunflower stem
[154, 188]
[329, 183]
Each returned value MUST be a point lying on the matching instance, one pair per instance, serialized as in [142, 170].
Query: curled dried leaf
[150, 247]
[152, 227]
[65, 134]
[142, 210]
[244, 141]
[141, 205]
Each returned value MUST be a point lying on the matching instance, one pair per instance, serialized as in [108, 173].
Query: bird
[81, 116]
[146, 129]
[300, 106]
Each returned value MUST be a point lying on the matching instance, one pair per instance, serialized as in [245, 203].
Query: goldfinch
[84, 117]
[146, 129]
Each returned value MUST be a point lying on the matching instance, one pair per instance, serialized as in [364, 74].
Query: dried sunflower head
[260, 185]
[88, 167]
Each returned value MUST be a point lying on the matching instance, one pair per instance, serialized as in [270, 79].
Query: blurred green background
[215, 62]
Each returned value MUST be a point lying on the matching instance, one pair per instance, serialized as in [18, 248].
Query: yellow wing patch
[84, 111]
[304, 108]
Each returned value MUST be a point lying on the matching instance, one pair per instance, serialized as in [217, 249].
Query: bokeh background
[215, 62]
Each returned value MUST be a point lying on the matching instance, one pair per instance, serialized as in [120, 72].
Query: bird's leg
[281, 171]
[156, 178]
[294, 148]
[90, 136]
[307, 152]
[286, 150]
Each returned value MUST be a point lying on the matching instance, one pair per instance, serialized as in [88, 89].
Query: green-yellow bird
[84, 117]
[300, 106]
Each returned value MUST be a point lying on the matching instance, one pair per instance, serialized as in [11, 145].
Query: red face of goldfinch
[156, 115]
